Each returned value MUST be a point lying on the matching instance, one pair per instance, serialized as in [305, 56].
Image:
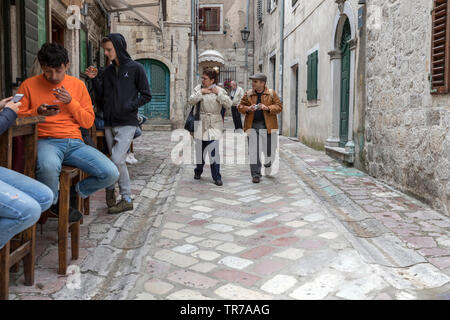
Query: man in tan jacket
[260, 106]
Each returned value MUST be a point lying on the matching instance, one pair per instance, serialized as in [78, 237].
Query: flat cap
[259, 76]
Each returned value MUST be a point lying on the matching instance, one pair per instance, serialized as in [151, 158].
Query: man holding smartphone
[260, 106]
[66, 103]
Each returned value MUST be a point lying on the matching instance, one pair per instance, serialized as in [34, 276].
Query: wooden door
[345, 86]
[159, 79]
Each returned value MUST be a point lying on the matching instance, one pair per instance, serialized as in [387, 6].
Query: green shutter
[42, 22]
[315, 65]
[83, 50]
[312, 85]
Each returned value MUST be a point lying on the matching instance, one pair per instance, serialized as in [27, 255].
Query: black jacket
[125, 91]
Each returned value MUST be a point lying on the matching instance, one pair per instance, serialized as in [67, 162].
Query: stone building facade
[26, 25]
[165, 45]
[227, 40]
[323, 52]
[407, 127]
[267, 40]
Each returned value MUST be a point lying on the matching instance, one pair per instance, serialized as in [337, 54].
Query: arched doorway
[158, 76]
[345, 85]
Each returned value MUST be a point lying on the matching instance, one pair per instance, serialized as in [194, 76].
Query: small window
[271, 4]
[210, 19]
[313, 63]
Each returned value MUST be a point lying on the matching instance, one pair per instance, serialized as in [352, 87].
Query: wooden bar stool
[9, 257]
[68, 177]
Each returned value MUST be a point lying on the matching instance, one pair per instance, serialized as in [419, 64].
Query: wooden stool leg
[75, 239]
[63, 222]
[13, 245]
[30, 258]
[4, 272]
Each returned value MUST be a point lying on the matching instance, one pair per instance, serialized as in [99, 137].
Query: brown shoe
[111, 198]
[256, 179]
[122, 206]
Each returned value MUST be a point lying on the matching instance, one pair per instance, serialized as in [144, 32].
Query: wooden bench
[26, 251]
[22, 246]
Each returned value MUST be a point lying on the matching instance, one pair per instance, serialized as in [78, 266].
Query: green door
[159, 79]
[345, 85]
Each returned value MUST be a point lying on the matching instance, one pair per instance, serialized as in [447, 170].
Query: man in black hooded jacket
[124, 88]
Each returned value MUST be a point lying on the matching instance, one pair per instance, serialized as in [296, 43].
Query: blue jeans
[54, 153]
[22, 200]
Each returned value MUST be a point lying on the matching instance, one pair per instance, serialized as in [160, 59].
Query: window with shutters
[259, 10]
[440, 73]
[271, 5]
[313, 64]
[210, 18]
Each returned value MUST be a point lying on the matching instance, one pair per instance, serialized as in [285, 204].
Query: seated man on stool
[60, 142]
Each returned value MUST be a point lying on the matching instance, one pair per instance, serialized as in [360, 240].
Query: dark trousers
[259, 141]
[237, 120]
[213, 150]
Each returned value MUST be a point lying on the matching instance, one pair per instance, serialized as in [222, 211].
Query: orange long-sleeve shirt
[66, 124]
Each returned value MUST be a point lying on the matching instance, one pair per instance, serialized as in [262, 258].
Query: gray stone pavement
[313, 230]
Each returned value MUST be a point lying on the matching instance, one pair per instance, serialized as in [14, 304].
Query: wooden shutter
[315, 65]
[215, 19]
[29, 20]
[312, 83]
[259, 11]
[83, 50]
[201, 17]
[42, 22]
[210, 18]
[440, 47]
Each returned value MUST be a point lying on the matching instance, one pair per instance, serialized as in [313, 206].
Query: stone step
[157, 127]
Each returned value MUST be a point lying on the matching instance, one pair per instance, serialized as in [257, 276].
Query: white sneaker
[131, 159]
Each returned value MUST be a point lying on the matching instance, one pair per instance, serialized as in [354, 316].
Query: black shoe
[218, 183]
[74, 214]
[197, 176]
[268, 165]
[256, 179]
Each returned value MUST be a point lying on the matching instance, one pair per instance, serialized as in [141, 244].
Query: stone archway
[344, 15]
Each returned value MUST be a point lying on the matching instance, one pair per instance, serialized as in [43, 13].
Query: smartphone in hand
[52, 107]
[17, 97]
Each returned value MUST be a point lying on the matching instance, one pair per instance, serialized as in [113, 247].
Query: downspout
[192, 71]
[280, 92]
[246, 46]
[196, 42]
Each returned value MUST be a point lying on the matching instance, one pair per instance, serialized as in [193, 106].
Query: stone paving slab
[313, 230]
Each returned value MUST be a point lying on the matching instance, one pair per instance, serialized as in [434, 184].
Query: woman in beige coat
[210, 129]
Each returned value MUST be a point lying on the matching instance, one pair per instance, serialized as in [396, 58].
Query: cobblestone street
[314, 230]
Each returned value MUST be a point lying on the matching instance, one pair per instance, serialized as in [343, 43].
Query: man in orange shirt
[66, 103]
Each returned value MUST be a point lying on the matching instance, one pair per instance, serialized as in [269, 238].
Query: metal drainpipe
[192, 71]
[280, 92]
[246, 46]
[197, 32]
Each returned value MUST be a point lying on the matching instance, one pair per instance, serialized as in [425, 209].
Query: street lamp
[245, 33]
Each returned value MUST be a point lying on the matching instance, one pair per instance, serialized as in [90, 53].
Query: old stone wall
[407, 128]
[170, 46]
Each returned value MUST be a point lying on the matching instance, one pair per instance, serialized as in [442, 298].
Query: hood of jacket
[121, 47]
